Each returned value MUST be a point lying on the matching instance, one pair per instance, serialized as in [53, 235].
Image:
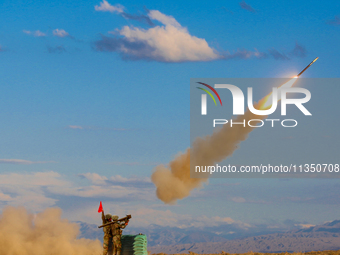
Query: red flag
[100, 209]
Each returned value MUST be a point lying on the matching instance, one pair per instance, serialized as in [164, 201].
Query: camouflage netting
[134, 245]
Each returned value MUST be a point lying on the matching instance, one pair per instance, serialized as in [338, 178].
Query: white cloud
[39, 33]
[60, 33]
[106, 7]
[5, 197]
[114, 187]
[164, 19]
[144, 216]
[28, 189]
[238, 199]
[22, 161]
[169, 42]
[117, 163]
[32, 180]
[118, 178]
[36, 33]
[95, 178]
[75, 127]
[96, 128]
[96, 191]
[35, 190]
[56, 32]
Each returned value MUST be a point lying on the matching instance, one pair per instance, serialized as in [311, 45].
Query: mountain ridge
[173, 240]
[315, 238]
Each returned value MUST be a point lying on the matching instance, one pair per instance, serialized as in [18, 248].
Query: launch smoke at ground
[46, 233]
[174, 182]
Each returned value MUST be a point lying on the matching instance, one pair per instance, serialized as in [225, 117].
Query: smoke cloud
[174, 182]
[46, 233]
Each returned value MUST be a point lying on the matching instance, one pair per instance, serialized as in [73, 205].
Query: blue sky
[87, 104]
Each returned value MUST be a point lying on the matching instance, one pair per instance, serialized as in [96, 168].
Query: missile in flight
[307, 66]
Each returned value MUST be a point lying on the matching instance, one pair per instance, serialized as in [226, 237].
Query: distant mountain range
[320, 237]
[158, 235]
[227, 238]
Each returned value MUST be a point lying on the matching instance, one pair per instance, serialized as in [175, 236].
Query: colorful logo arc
[208, 92]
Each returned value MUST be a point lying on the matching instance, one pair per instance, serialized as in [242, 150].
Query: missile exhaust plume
[42, 234]
[174, 182]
